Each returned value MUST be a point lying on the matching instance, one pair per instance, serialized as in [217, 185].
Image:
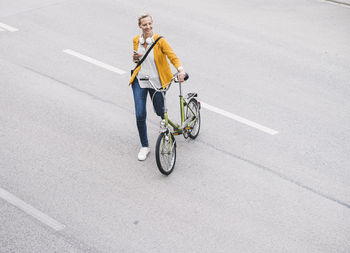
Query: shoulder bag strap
[146, 54]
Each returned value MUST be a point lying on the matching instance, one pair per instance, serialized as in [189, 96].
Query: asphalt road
[70, 180]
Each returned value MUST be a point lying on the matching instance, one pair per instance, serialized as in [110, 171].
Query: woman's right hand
[136, 57]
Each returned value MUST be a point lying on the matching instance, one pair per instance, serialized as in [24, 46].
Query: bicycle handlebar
[167, 86]
[175, 77]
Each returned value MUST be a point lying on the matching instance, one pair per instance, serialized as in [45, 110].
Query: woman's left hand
[136, 57]
[181, 76]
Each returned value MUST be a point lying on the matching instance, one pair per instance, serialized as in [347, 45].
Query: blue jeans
[140, 97]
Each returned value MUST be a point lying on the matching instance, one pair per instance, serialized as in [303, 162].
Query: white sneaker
[144, 151]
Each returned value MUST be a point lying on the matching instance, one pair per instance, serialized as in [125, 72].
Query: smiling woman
[146, 24]
[156, 67]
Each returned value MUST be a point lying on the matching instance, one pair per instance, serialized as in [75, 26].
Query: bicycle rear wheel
[166, 153]
[193, 113]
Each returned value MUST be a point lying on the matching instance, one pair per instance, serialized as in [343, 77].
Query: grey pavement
[69, 141]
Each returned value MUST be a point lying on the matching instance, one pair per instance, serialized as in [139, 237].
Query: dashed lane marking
[94, 61]
[239, 119]
[12, 199]
[7, 28]
[205, 105]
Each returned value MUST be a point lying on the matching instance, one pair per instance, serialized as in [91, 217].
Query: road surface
[70, 180]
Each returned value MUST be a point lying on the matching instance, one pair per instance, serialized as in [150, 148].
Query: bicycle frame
[177, 129]
[189, 125]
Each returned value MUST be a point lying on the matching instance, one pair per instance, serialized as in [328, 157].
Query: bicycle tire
[165, 155]
[193, 104]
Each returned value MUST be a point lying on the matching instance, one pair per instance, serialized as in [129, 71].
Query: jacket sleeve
[135, 42]
[168, 51]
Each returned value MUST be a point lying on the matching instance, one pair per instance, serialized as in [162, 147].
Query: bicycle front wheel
[166, 153]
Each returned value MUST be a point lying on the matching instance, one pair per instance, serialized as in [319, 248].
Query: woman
[157, 68]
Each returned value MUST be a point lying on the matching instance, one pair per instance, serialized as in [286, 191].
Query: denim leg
[158, 102]
[140, 96]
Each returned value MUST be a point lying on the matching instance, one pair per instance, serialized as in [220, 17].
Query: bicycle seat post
[164, 102]
[182, 109]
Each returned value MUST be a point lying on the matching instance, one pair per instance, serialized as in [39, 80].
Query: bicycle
[189, 126]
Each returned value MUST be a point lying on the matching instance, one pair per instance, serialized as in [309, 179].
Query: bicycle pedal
[177, 133]
[188, 128]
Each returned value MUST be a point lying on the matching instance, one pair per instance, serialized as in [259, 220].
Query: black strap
[149, 50]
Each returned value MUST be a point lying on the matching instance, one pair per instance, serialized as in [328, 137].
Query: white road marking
[8, 28]
[30, 210]
[238, 118]
[205, 105]
[2, 30]
[94, 61]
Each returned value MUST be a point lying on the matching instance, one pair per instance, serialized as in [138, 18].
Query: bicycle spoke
[167, 153]
[193, 114]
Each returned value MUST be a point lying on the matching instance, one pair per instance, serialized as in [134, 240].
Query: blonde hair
[144, 16]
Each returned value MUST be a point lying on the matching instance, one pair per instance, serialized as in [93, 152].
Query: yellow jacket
[161, 50]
